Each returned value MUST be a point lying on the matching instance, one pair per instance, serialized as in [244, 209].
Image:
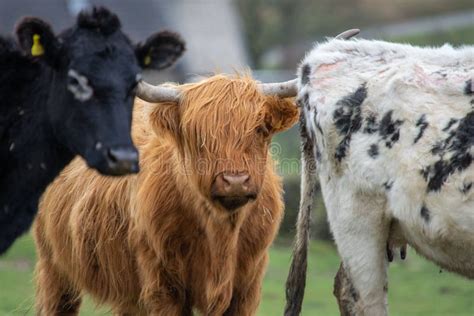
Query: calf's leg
[161, 294]
[246, 295]
[54, 294]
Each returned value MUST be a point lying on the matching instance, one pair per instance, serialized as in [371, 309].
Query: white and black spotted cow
[389, 131]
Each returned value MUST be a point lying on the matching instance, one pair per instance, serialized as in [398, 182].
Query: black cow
[68, 95]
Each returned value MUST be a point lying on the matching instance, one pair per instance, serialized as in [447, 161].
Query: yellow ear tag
[147, 60]
[37, 49]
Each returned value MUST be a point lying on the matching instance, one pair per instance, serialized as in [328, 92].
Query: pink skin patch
[321, 77]
[327, 67]
[383, 70]
[422, 79]
[435, 80]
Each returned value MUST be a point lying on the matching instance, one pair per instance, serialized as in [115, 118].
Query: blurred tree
[268, 23]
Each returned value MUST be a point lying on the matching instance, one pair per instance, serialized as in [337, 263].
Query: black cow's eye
[72, 81]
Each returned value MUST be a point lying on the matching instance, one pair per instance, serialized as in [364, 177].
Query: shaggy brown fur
[156, 243]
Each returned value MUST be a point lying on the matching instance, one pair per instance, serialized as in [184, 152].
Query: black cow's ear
[160, 50]
[36, 38]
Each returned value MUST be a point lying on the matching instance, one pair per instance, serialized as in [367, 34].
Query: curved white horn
[282, 89]
[348, 34]
[151, 93]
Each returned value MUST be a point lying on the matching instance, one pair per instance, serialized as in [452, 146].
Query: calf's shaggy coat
[391, 130]
[157, 243]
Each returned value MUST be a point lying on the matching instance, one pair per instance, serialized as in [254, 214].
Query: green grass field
[416, 287]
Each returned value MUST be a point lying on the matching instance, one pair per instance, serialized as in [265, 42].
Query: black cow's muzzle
[120, 160]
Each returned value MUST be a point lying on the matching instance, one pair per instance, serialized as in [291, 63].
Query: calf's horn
[348, 34]
[282, 89]
[151, 93]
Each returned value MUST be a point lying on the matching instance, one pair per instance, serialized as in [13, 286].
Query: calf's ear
[36, 39]
[281, 114]
[160, 50]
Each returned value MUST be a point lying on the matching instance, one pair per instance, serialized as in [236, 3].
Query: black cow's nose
[122, 160]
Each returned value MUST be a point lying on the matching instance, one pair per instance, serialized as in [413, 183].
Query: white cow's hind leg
[360, 228]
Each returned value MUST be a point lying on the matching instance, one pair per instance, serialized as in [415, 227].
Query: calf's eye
[263, 130]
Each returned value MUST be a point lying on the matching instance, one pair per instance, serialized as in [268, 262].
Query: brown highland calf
[191, 231]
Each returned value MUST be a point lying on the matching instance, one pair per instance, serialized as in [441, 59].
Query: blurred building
[211, 28]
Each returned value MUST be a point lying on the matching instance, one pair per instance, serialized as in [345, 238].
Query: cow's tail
[295, 284]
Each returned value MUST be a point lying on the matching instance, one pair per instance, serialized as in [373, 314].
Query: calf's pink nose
[233, 190]
[235, 182]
